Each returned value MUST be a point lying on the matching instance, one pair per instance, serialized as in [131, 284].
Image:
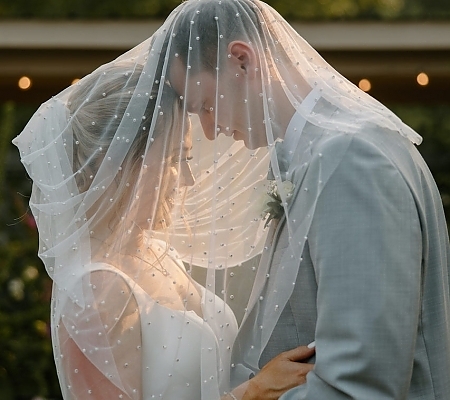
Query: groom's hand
[280, 374]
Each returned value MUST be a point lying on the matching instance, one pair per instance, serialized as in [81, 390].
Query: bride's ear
[243, 58]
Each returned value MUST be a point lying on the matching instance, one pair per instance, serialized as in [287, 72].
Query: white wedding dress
[171, 343]
[174, 343]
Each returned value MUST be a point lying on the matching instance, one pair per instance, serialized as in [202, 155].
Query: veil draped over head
[149, 177]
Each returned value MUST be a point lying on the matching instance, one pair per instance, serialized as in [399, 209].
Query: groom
[372, 288]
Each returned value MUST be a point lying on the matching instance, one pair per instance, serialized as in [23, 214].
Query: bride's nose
[186, 176]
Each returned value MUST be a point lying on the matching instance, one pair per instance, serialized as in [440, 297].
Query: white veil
[116, 205]
[130, 198]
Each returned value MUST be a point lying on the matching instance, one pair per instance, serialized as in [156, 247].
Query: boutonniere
[273, 200]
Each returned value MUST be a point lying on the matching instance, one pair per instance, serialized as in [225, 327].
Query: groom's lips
[236, 135]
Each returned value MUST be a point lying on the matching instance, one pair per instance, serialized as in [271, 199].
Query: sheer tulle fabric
[130, 199]
[150, 231]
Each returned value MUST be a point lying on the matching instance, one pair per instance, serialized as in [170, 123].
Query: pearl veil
[150, 230]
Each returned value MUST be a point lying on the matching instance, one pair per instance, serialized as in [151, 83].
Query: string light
[422, 79]
[364, 84]
[75, 81]
[24, 83]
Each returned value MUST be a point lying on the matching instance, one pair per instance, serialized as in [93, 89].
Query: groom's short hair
[213, 19]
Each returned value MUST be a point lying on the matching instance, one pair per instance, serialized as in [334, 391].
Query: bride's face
[163, 178]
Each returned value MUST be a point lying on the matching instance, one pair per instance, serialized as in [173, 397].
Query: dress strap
[139, 293]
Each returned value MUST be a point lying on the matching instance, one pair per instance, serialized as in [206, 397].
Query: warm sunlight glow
[364, 84]
[422, 79]
[24, 83]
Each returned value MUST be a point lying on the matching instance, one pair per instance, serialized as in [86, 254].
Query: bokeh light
[422, 79]
[24, 83]
[364, 84]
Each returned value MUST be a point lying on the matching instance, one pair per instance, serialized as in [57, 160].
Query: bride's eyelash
[177, 160]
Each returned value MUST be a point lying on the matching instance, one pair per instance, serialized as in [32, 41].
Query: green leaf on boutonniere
[272, 200]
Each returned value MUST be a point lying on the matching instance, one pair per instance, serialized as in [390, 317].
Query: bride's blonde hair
[97, 108]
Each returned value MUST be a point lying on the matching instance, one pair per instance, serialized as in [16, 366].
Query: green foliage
[26, 359]
[341, 9]
[87, 9]
[290, 9]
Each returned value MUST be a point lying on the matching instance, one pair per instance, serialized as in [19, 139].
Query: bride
[124, 228]
[109, 158]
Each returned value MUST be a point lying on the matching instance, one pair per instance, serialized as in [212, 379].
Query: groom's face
[223, 103]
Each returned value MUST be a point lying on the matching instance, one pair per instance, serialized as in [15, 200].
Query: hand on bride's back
[282, 373]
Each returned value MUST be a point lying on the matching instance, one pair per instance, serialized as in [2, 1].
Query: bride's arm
[236, 393]
[118, 311]
[282, 373]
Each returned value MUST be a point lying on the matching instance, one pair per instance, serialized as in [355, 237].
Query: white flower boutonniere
[273, 200]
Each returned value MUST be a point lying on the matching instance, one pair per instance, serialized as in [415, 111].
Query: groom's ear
[243, 58]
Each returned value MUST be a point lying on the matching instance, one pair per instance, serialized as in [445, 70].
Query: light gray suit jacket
[373, 286]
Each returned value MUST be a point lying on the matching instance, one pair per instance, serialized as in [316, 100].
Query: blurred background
[396, 50]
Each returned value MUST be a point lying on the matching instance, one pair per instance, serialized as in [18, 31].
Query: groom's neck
[284, 109]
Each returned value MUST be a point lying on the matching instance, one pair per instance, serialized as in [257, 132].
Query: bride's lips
[227, 132]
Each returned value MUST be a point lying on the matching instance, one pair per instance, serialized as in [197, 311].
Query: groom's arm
[365, 246]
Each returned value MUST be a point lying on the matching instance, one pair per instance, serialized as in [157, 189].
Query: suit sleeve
[366, 248]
